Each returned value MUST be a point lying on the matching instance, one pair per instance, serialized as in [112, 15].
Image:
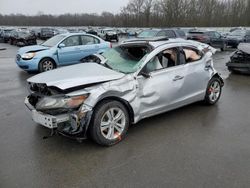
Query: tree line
[149, 13]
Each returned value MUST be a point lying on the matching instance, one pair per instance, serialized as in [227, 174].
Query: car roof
[154, 29]
[108, 29]
[72, 34]
[156, 44]
[156, 41]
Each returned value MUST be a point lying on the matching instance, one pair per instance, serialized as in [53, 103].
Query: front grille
[18, 57]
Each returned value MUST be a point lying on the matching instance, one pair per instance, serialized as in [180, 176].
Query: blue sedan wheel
[46, 65]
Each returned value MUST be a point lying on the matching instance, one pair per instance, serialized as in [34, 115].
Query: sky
[56, 7]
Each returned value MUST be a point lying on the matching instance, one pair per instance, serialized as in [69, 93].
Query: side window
[165, 59]
[210, 34]
[217, 35]
[161, 34]
[192, 54]
[170, 34]
[88, 40]
[71, 41]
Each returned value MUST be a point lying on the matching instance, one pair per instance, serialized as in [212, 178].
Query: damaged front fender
[78, 123]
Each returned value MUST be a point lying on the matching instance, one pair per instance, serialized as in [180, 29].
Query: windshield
[53, 41]
[148, 33]
[125, 59]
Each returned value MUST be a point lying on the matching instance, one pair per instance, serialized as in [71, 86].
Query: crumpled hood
[33, 48]
[76, 75]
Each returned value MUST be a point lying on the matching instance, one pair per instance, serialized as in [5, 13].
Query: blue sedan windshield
[53, 41]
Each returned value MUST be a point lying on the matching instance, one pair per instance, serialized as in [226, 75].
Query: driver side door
[71, 52]
[162, 91]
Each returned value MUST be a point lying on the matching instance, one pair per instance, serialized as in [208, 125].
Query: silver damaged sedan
[106, 93]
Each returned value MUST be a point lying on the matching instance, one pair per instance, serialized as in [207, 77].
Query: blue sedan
[60, 50]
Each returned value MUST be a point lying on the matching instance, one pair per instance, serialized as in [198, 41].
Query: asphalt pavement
[193, 147]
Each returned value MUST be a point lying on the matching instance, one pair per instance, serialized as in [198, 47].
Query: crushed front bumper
[72, 124]
[239, 67]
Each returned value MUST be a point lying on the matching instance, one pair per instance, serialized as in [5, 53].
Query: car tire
[109, 124]
[46, 64]
[213, 91]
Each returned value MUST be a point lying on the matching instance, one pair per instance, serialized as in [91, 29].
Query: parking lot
[194, 146]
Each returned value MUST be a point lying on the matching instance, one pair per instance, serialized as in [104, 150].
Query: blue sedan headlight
[28, 56]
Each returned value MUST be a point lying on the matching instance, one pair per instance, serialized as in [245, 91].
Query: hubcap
[113, 123]
[47, 65]
[214, 91]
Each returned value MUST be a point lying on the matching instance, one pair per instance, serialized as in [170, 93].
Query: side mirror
[61, 45]
[145, 75]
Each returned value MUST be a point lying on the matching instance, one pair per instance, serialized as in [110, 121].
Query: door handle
[77, 48]
[176, 78]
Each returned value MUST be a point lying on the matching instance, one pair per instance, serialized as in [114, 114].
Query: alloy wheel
[214, 91]
[113, 123]
[47, 65]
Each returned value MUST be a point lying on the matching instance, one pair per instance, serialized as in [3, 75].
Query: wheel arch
[47, 57]
[216, 75]
[122, 101]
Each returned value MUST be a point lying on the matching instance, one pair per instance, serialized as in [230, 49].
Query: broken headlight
[28, 56]
[49, 103]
